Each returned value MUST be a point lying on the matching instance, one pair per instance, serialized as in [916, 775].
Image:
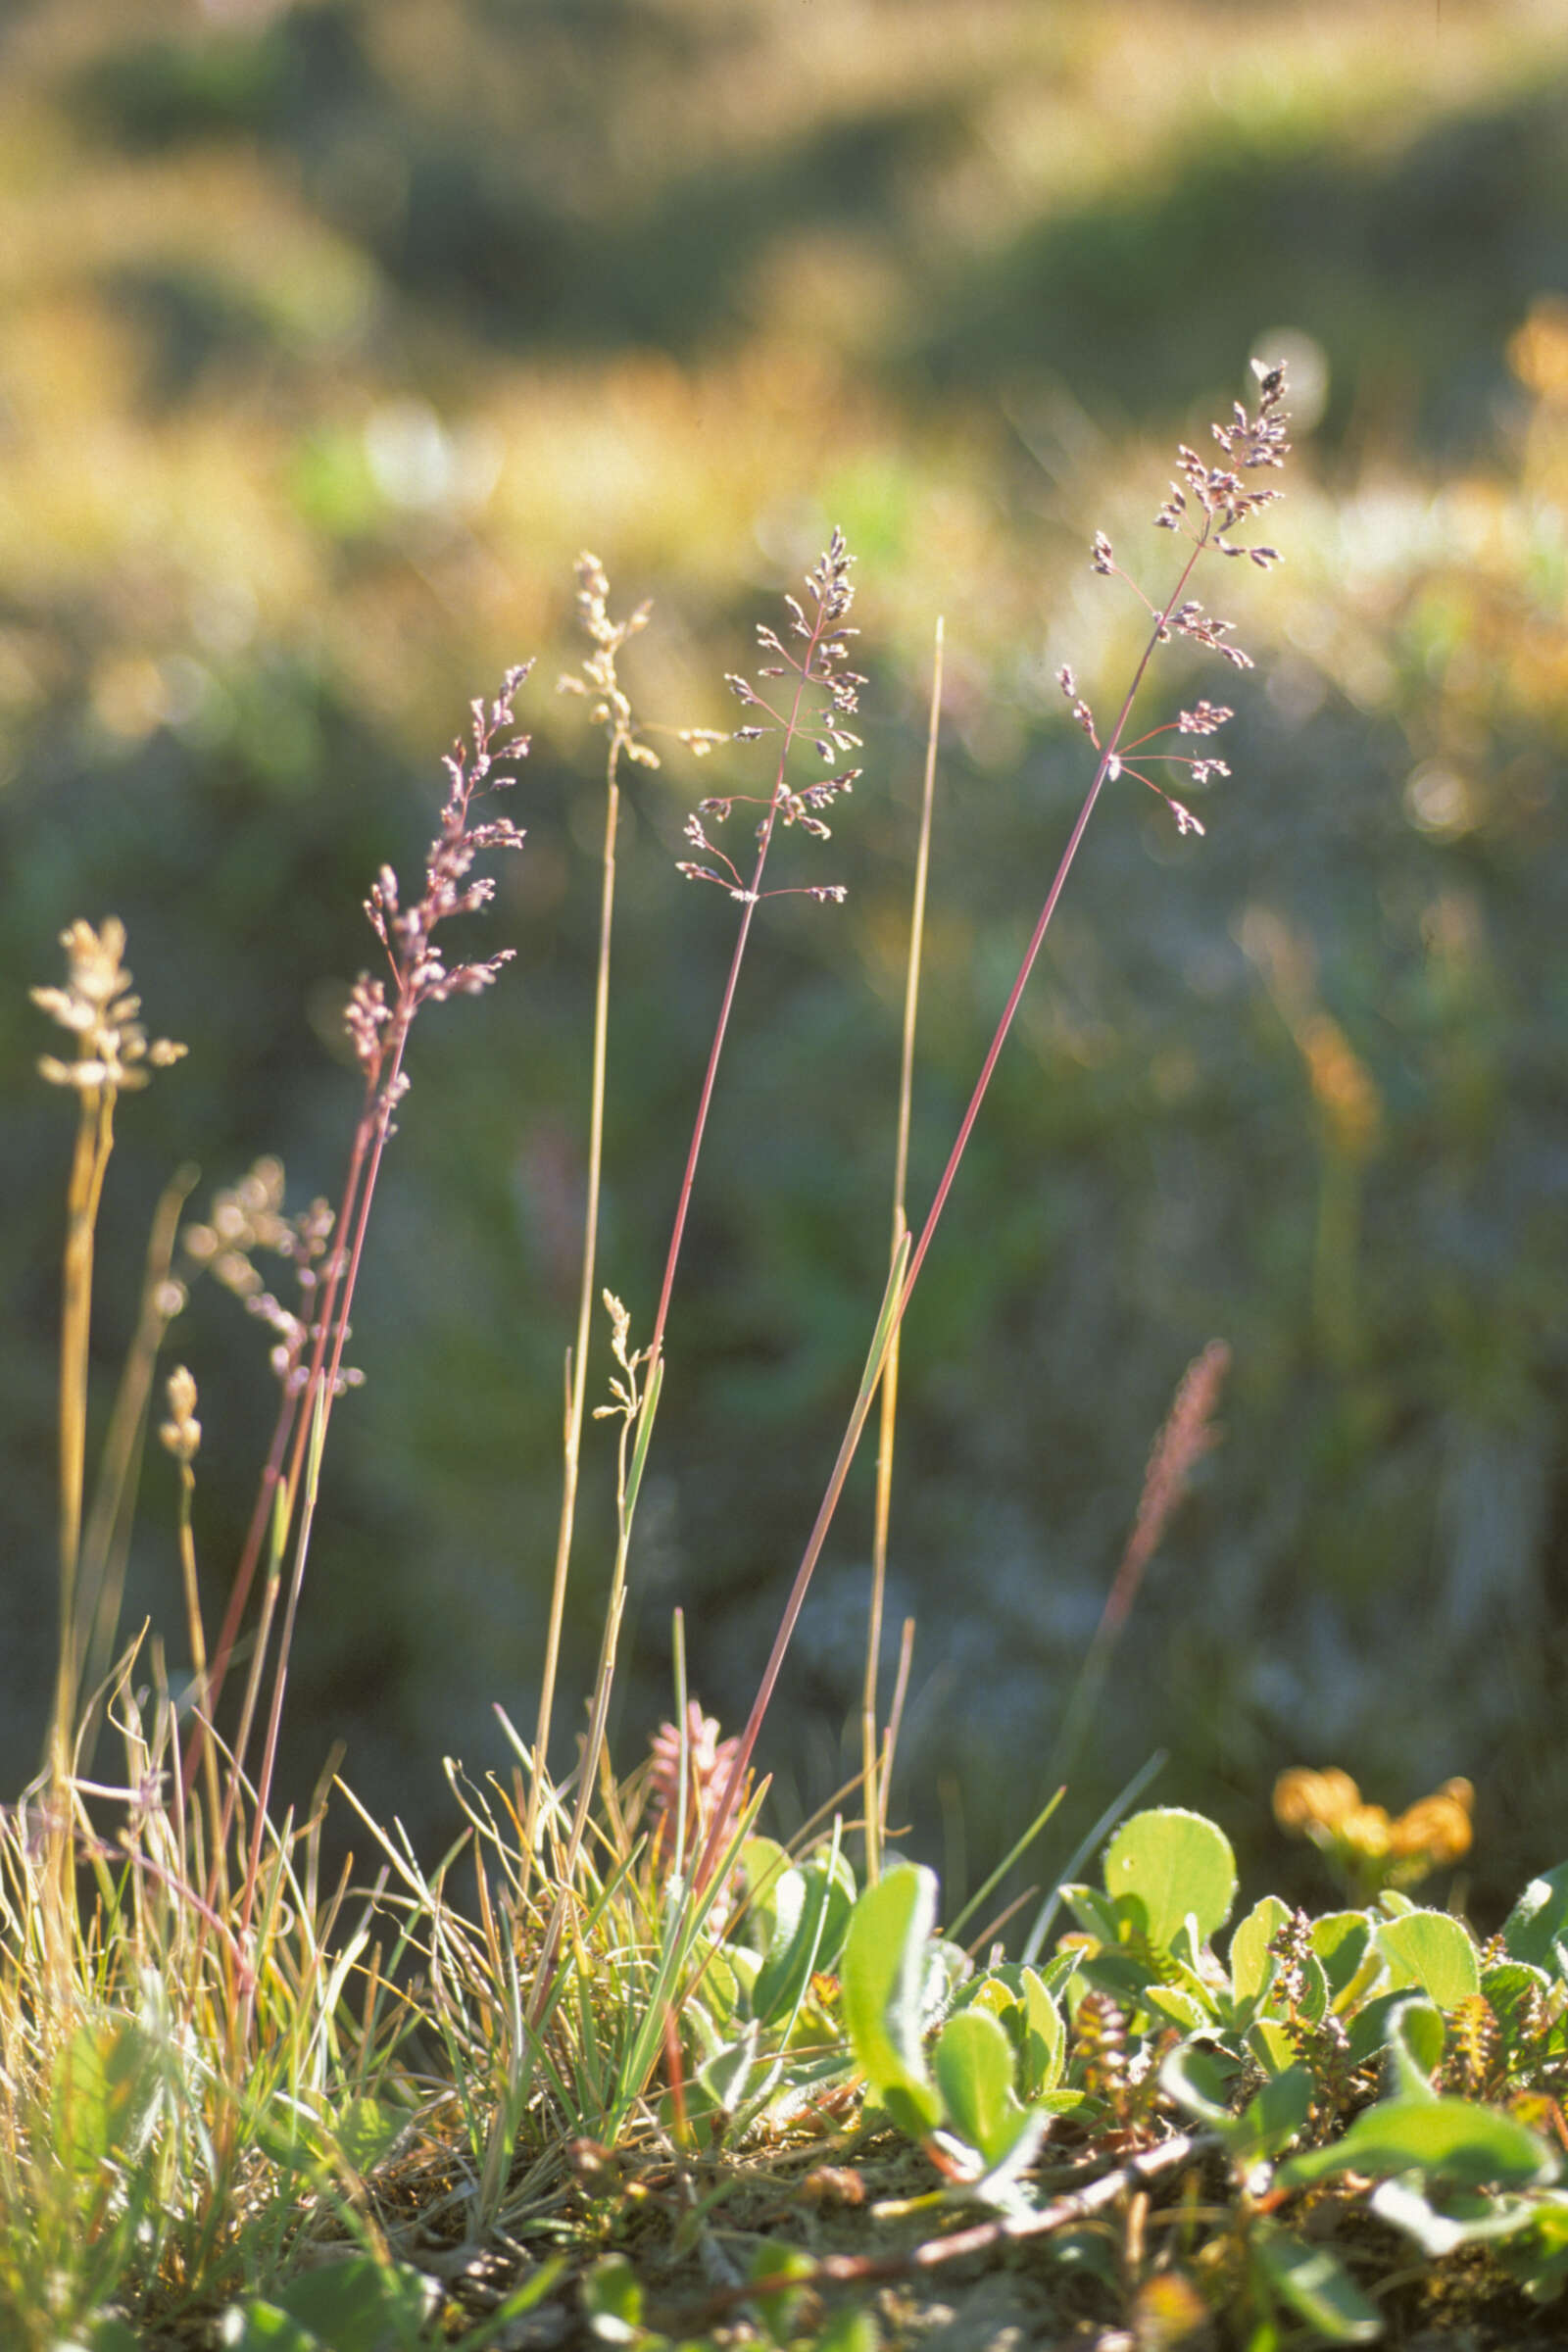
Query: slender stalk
[642, 1406]
[379, 1032]
[901, 1226]
[95, 1140]
[359, 1192]
[196, 1635]
[239, 1591]
[577, 1359]
[106, 1537]
[1109, 759]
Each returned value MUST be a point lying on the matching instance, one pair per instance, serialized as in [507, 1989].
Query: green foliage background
[330, 334]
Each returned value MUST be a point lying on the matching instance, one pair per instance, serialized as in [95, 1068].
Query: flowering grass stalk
[1208, 504]
[823, 699]
[600, 680]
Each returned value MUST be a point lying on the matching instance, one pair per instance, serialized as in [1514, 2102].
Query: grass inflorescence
[622, 2066]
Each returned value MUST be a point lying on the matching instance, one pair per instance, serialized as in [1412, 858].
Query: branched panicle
[825, 695]
[99, 1011]
[1205, 505]
[248, 1218]
[418, 973]
[599, 679]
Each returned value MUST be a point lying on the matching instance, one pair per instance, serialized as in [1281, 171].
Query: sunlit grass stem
[95, 1140]
[901, 1226]
[577, 1359]
[1110, 761]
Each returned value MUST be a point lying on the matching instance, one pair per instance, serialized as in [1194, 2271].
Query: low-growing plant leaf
[1015, 1994]
[113, 2335]
[1253, 1967]
[1172, 1863]
[1272, 2117]
[1094, 1914]
[1454, 2139]
[261, 2326]
[1316, 2286]
[1515, 1992]
[366, 2131]
[819, 1916]
[778, 2302]
[612, 2300]
[948, 1967]
[1538, 2257]
[1413, 2044]
[1271, 2045]
[356, 2303]
[1340, 1939]
[727, 2075]
[1183, 2007]
[1199, 2083]
[1433, 1951]
[881, 1976]
[1468, 2217]
[105, 2089]
[763, 1862]
[1537, 1928]
[850, 2329]
[973, 2062]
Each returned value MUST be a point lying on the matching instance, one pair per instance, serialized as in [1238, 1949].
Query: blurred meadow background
[330, 333]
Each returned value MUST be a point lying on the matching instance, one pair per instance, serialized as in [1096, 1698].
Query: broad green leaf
[820, 1917]
[359, 2305]
[495, 2327]
[1172, 1863]
[850, 2329]
[1539, 2257]
[1015, 1994]
[1433, 1951]
[881, 1976]
[1315, 2284]
[612, 2300]
[366, 2131]
[1538, 1925]
[974, 2063]
[1339, 1938]
[777, 1894]
[1413, 2045]
[774, 2267]
[1045, 2036]
[105, 2091]
[1468, 2217]
[1094, 1914]
[948, 1967]
[113, 2335]
[1271, 2045]
[1253, 1966]
[1515, 1992]
[1199, 2083]
[1272, 2118]
[1451, 2137]
[726, 2076]
[1184, 2008]
[1367, 2028]
[261, 2326]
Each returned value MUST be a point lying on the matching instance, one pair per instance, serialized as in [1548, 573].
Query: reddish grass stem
[1109, 759]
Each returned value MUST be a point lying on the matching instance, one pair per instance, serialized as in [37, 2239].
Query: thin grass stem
[901, 1226]
[577, 1360]
[888, 1324]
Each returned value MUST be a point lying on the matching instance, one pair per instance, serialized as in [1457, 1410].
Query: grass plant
[621, 2067]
